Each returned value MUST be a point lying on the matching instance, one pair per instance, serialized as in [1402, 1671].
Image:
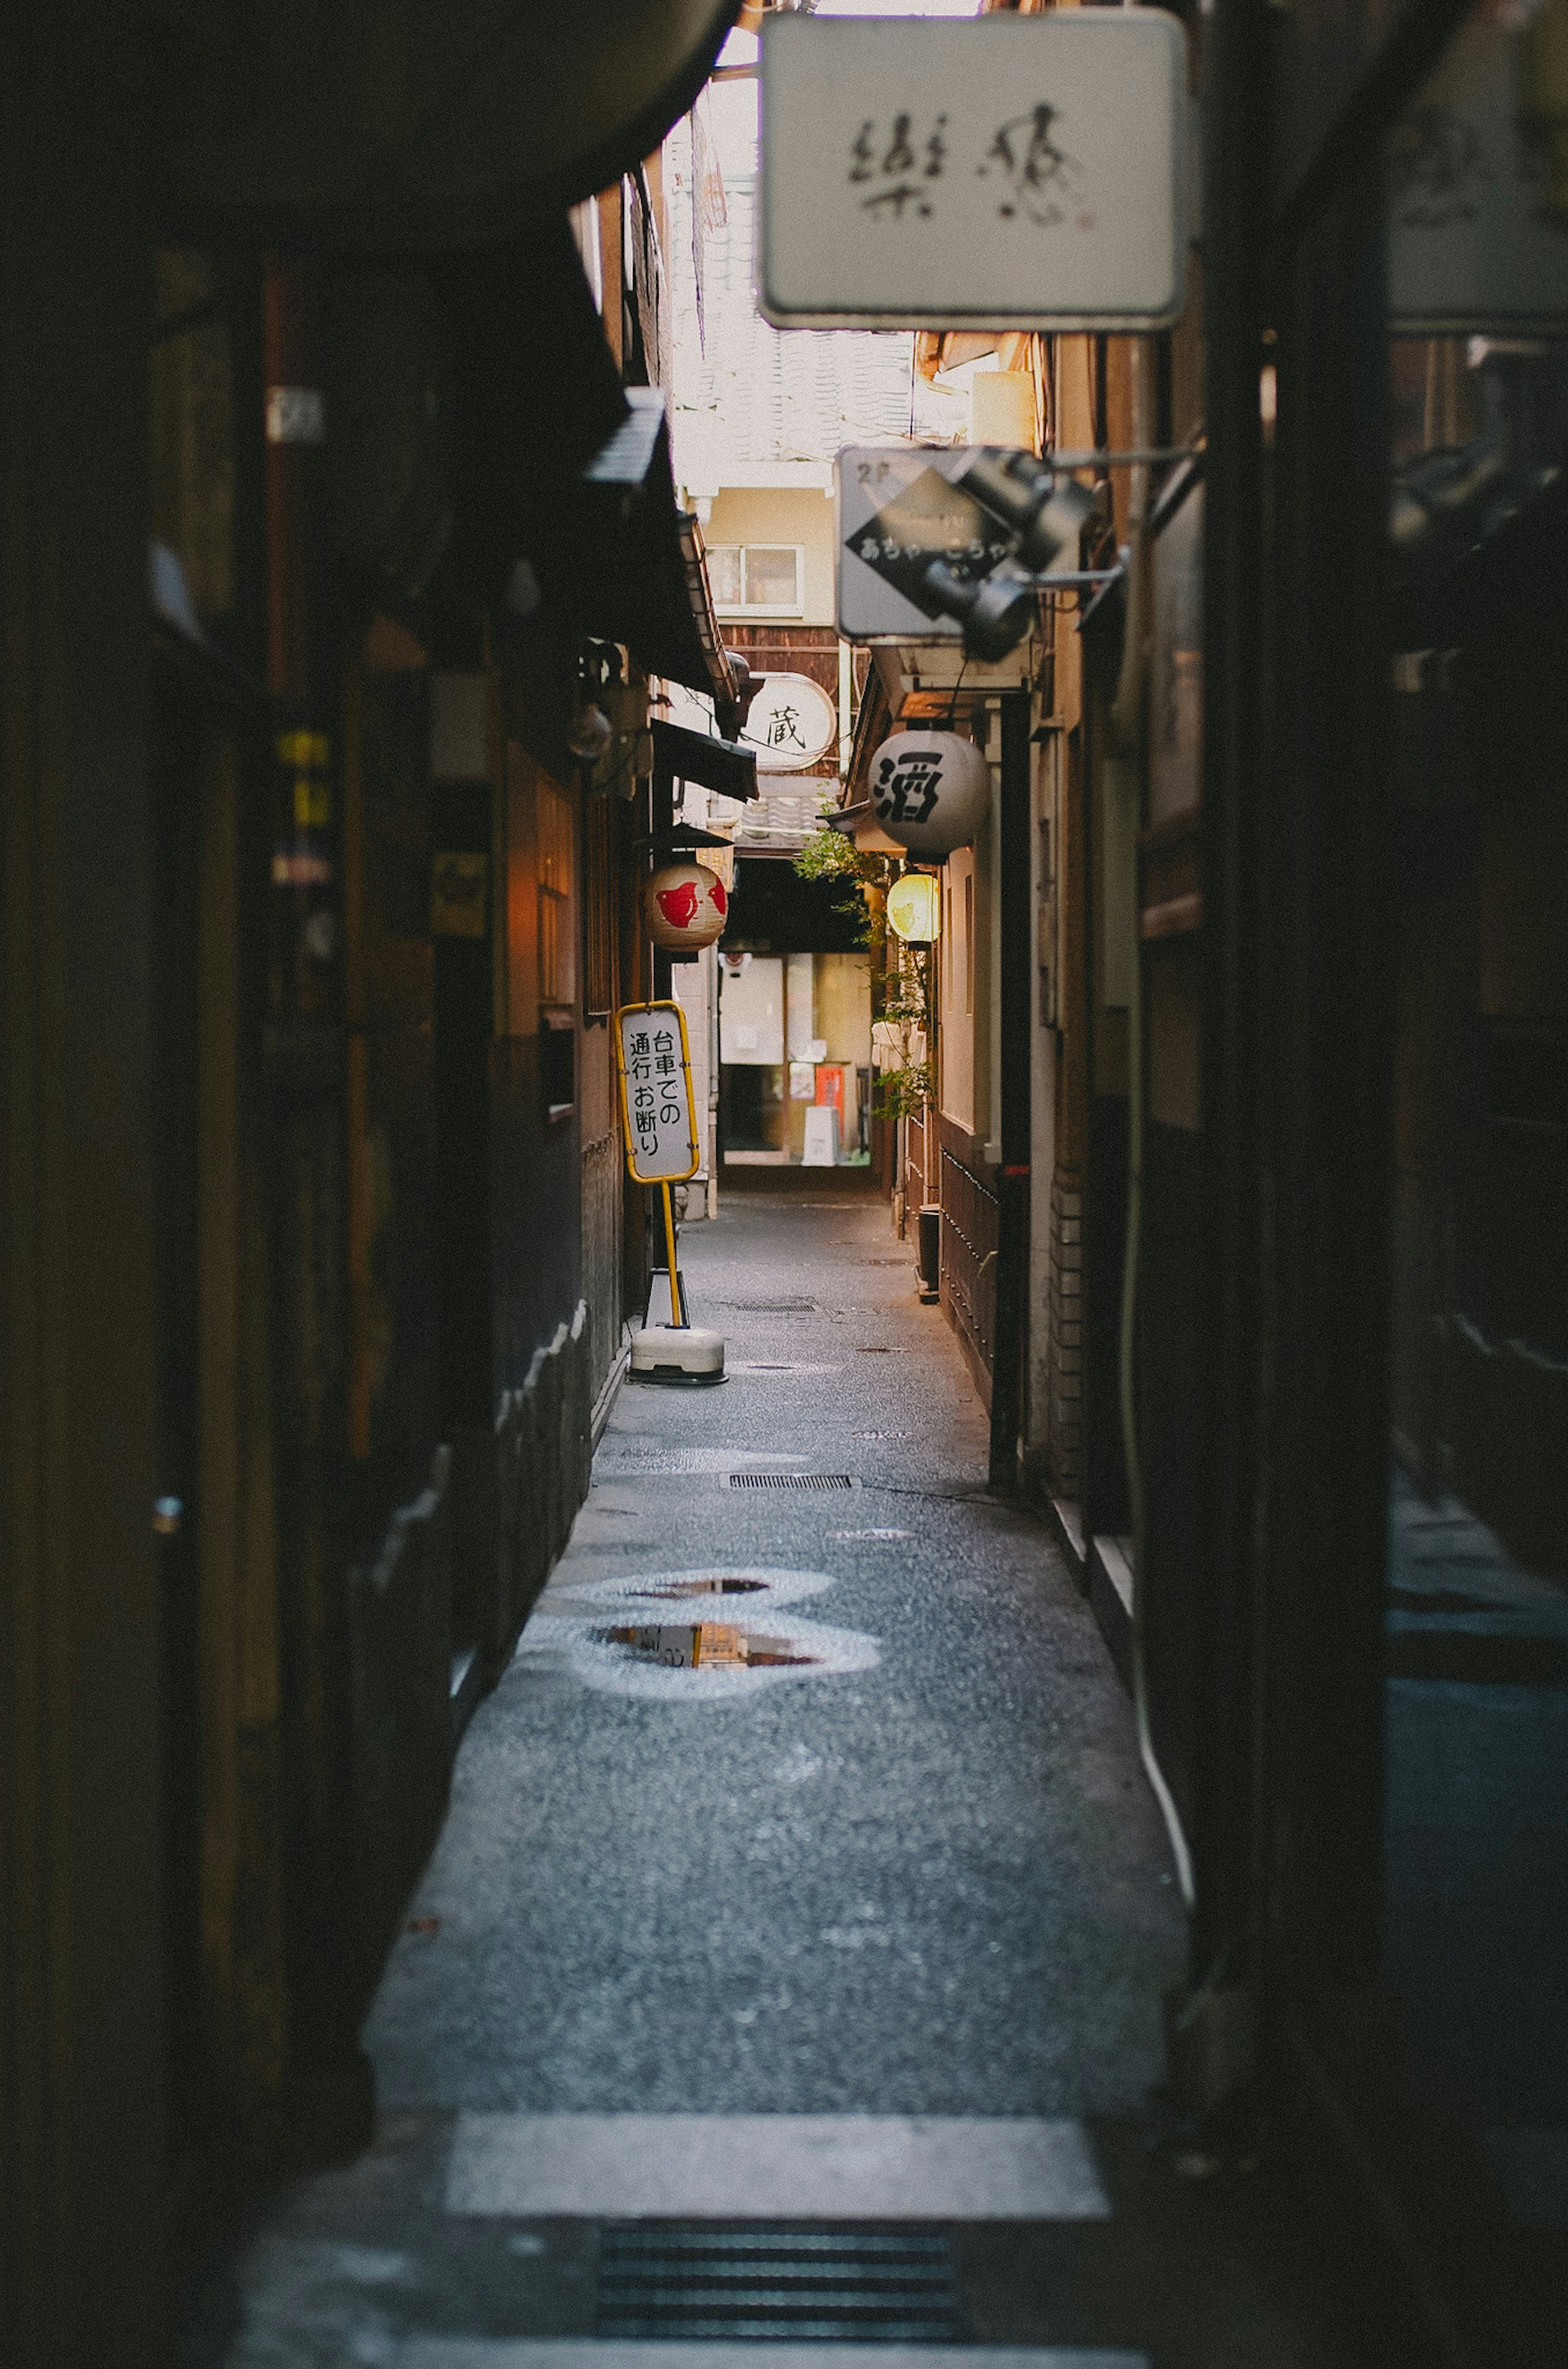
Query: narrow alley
[856, 1918]
[783, 1294]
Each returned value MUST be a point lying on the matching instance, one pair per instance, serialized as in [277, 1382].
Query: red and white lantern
[685, 907]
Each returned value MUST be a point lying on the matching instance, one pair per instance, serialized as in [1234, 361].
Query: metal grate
[867, 2286]
[790, 1480]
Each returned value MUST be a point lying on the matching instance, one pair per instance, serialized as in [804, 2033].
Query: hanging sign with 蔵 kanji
[657, 1107]
[999, 171]
[792, 722]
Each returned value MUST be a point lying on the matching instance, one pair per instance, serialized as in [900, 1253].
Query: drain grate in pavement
[790, 1480]
[772, 1307]
[866, 2286]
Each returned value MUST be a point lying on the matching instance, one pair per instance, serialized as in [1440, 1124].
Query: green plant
[900, 992]
[827, 854]
[905, 1014]
[904, 1094]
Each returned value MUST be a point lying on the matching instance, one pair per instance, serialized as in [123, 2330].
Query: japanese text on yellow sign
[656, 1092]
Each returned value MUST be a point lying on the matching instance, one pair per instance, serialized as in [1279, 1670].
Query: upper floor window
[756, 580]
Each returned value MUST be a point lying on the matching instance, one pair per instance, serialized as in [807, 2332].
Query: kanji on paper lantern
[931, 791]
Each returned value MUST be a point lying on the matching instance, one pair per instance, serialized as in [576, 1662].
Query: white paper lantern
[931, 791]
[685, 907]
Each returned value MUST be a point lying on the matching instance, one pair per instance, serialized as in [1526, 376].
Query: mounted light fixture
[1046, 513]
[590, 734]
[914, 908]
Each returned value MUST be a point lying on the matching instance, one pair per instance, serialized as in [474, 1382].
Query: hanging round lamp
[685, 907]
[914, 908]
[930, 790]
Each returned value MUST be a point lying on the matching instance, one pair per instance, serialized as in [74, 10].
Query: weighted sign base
[677, 1353]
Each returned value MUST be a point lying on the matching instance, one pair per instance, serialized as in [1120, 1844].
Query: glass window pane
[771, 577]
[723, 574]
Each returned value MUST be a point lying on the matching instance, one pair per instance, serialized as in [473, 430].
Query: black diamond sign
[929, 519]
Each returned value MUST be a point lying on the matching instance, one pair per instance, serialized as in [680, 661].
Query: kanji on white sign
[654, 1068]
[791, 723]
[999, 171]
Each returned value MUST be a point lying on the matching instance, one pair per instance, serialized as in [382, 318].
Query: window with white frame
[756, 580]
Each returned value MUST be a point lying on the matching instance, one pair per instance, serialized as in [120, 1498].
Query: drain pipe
[1128, 711]
[713, 985]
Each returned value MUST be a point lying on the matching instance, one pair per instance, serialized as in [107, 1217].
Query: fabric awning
[719, 765]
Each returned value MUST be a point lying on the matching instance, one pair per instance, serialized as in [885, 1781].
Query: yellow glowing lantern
[914, 908]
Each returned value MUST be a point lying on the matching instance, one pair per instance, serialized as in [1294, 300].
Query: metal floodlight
[996, 612]
[747, 684]
[1046, 512]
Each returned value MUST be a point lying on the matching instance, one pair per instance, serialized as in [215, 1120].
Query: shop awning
[394, 127]
[719, 765]
[556, 463]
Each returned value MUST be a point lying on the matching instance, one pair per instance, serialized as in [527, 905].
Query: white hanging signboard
[997, 172]
[792, 722]
[1477, 241]
[656, 1092]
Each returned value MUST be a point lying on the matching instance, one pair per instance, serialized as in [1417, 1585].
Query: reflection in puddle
[644, 1654]
[710, 1645]
[637, 1588]
[708, 1584]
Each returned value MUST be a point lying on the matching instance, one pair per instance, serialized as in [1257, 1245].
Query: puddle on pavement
[707, 1645]
[637, 1651]
[656, 1588]
[708, 1584]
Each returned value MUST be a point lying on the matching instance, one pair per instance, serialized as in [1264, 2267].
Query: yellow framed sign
[658, 1109]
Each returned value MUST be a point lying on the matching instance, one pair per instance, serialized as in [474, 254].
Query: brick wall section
[1064, 1362]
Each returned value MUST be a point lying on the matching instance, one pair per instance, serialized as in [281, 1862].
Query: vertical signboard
[658, 1107]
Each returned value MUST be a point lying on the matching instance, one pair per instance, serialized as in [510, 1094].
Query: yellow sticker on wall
[459, 882]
